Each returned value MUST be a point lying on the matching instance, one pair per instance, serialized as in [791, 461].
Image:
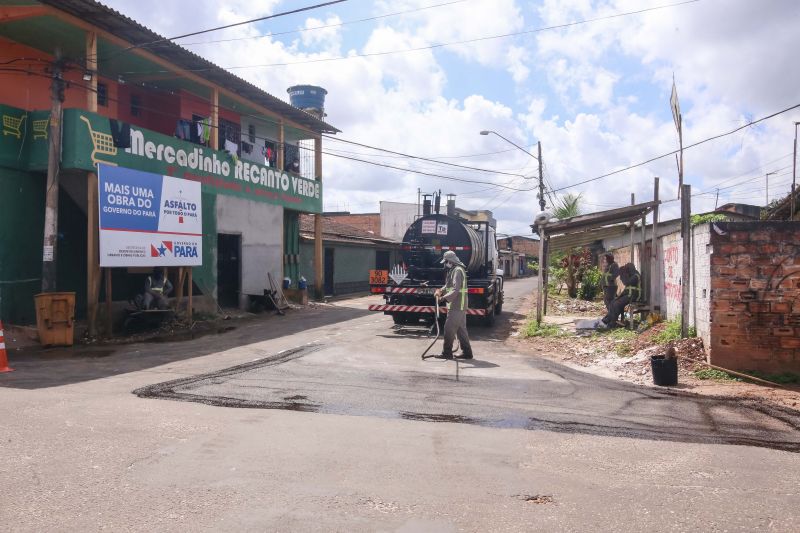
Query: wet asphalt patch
[564, 401]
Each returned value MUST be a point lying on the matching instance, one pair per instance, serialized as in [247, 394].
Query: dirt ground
[627, 356]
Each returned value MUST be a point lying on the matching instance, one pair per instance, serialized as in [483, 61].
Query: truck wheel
[498, 308]
[488, 319]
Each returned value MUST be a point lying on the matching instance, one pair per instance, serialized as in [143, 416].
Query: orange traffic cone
[3, 354]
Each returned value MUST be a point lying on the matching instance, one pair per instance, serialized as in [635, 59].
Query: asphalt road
[328, 420]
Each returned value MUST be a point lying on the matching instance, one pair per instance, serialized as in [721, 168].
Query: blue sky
[595, 94]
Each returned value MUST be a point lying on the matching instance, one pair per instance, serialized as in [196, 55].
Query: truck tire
[488, 319]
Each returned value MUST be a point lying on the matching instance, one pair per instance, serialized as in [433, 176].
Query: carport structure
[586, 229]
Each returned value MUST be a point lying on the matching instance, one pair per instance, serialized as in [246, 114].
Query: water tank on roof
[309, 98]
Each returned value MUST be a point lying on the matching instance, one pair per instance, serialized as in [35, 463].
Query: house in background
[349, 254]
[516, 253]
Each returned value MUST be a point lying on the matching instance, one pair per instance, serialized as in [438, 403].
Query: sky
[590, 80]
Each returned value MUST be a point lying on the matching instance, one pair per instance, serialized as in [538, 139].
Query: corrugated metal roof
[131, 31]
[572, 240]
[599, 219]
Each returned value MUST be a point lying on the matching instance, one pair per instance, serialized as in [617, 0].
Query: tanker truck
[408, 291]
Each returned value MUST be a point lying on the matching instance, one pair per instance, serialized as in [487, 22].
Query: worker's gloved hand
[438, 293]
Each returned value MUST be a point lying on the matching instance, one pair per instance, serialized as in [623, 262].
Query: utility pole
[766, 203]
[53, 164]
[541, 177]
[794, 174]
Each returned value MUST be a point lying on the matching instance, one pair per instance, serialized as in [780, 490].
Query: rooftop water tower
[309, 98]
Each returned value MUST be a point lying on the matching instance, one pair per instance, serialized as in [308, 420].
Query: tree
[576, 259]
[568, 206]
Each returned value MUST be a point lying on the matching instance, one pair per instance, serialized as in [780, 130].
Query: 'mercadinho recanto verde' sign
[87, 142]
[148, 220]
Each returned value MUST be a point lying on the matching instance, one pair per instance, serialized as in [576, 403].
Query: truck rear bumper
[429, 309]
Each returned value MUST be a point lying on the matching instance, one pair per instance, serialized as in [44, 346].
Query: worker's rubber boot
[464, 356]
[444, 356]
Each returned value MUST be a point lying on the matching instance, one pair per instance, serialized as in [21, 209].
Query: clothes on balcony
[120, 132]
[182, 130]
[204, 130]
[231, 147]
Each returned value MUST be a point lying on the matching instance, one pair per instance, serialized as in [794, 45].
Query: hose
[436, 312]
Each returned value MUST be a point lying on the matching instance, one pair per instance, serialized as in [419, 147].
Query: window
[136, 105]
[102, 94]
[251, 132]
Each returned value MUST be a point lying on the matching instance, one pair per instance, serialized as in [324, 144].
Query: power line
[225, 27]
[698, 143]
[302, 30]
[433, 46]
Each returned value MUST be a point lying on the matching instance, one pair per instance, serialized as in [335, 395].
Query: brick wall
[369, 222]
[755, 296]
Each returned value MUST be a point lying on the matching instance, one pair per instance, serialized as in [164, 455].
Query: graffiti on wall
[672, 273]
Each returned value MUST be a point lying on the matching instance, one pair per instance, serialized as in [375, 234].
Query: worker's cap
[451, 256]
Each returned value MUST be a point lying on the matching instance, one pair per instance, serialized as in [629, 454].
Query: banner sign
[88, 141]
[148, 220]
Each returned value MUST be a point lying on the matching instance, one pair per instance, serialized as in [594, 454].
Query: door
[229, 269]
[382, 260]
[328, 271]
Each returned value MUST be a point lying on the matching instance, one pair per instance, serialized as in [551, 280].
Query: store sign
[88, 141]
[148, 220]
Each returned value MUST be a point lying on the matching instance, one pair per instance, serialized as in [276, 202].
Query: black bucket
[665, 371]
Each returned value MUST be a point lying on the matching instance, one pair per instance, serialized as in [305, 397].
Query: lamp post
[767, 192]
[539, 159]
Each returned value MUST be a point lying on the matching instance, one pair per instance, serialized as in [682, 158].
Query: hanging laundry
[182, 130]
[121, 133]
[206, 130]
[231, 147]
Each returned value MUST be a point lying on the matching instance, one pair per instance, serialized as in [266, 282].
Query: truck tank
[431, 235]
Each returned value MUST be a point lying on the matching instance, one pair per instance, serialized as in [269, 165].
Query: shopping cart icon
[11, 125]
[103, 143]
[40, 128]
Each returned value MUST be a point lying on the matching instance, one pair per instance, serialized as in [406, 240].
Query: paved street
[327, 419]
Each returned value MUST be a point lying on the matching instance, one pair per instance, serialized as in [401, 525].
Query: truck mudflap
[418, 309]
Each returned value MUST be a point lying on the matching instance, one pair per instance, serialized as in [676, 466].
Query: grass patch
[532, 329]
[783, 378]
[672, 332]
[714, 375]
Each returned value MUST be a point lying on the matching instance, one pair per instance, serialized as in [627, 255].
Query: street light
[767, 177]
[539, 159]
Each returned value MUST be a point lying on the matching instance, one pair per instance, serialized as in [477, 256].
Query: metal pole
[680, 163]
[654, 267]
[686, 230]
[51, 194]
[541, 177]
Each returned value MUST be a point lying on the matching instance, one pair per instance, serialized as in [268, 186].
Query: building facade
[81, 74]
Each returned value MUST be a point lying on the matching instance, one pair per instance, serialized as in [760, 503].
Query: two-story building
[132, 98]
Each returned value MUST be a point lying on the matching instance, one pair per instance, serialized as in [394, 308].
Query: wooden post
[189, 309]
[109, 313]
[92, 247]
[540, 294]
[179, 290]
[633, 202]
[50, 240]
[644, 260]
[630, 304]
[319, 280]
[654, 267]
[281, 146]
[546, 279]
[213, 140]
[686, 231]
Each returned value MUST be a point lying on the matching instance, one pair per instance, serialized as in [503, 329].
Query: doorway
[229, 269]
[328, 271]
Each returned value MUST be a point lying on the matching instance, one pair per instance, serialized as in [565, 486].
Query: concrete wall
[755, 296]
[261, 228]
[351, 264]
[396, 217]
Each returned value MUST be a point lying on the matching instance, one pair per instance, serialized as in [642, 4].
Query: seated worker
[609, 280]
[630, 278]
[156, 290]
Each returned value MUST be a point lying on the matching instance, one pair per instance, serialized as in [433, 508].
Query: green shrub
[532, 329]
[708, 217]
[590, 284]
[714, 374]
[672, 332]
[783, 378]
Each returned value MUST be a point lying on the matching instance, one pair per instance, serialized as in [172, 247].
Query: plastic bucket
[55, 318]
[665, 371]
